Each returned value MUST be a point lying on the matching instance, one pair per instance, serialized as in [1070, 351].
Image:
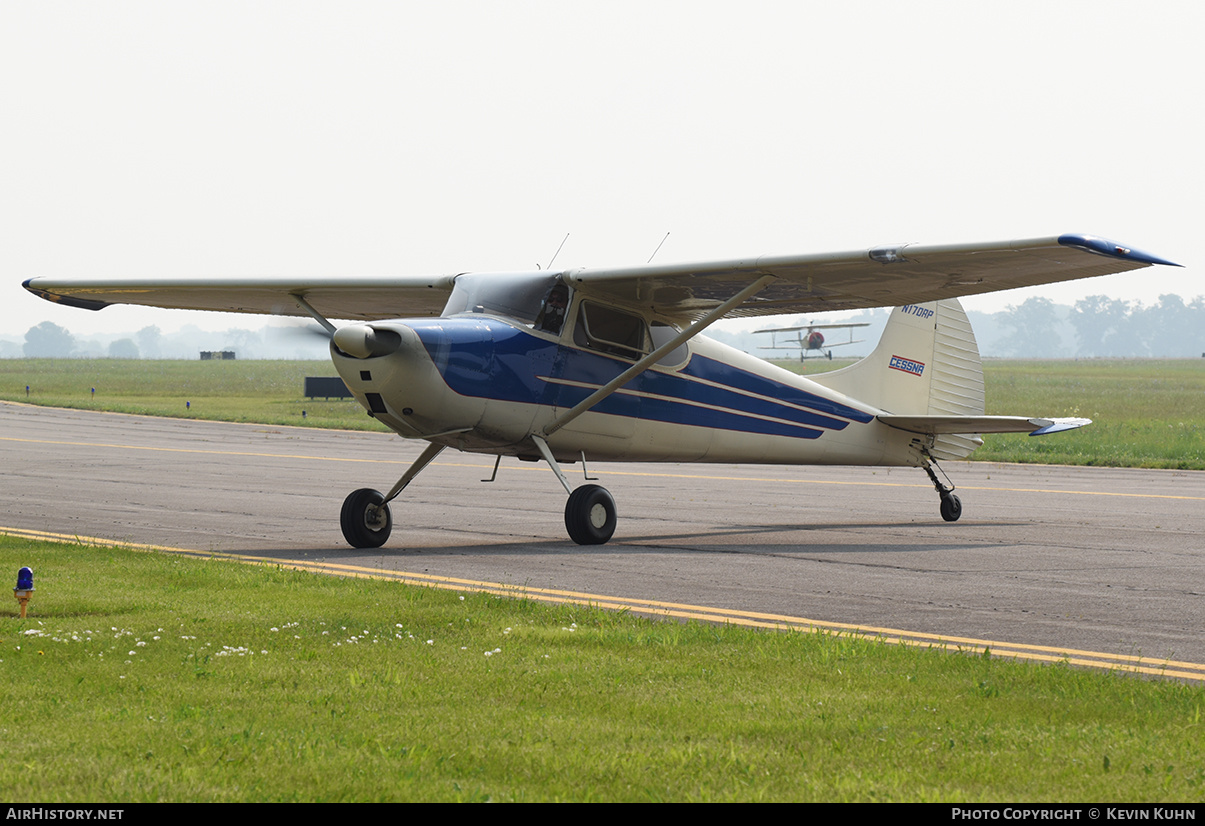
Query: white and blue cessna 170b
[608, 364]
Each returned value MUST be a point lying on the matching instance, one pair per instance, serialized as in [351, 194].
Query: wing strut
[317, 316]
[653, 357]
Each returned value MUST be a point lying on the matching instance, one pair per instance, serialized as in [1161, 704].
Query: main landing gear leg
[365, 519]
[590, 512]
[951, 505]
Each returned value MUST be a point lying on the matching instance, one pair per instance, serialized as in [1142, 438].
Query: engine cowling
[362, 341]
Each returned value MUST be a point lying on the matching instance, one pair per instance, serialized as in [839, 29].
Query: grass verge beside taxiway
[155, 677]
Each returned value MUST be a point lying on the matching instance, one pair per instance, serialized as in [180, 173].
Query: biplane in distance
[809, 339]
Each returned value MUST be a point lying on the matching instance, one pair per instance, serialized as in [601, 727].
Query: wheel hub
[372, 518]
[598, 515]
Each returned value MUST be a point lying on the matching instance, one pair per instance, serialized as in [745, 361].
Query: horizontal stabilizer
[934, 425]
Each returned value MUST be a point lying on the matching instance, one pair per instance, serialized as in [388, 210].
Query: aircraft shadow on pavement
[709, 541]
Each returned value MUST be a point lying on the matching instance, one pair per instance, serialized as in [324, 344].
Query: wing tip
[1103, 246]
[65, 300]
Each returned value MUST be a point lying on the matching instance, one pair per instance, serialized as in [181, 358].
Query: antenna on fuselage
[654, 255]
[558, 251]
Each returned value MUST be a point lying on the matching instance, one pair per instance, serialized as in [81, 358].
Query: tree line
[1099, 326]
[49, 340]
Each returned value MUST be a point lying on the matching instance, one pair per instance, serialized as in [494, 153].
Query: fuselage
[483, 383]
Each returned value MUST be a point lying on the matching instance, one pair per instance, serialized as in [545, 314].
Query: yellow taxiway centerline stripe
[660, 475]
[1035, 653]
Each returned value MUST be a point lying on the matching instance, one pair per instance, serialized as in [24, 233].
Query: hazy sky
[255, 138]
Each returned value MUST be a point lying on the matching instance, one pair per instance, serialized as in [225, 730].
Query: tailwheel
[951, 507]
[590, 515]
[365, 519]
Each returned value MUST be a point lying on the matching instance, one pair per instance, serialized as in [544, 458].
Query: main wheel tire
[365, 519]
[951, 508]
[590, 515]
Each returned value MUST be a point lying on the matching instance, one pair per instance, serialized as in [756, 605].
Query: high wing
[352, 298]
[882, 277]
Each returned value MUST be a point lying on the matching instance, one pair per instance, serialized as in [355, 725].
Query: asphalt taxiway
[1095, 559]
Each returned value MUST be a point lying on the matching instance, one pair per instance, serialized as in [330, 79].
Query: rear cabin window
[662, 333]
[609, 330]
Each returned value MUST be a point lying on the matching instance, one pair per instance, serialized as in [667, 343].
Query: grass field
[1146, 413]
[155, 677]
[268, 392]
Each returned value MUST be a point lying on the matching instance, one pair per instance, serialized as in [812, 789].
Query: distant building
[209, 355]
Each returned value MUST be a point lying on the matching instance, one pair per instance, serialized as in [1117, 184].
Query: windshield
[518, 295]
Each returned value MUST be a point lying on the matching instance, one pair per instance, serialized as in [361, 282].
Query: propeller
[307, 330]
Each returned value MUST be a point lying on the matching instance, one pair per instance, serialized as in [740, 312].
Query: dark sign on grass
[327, 388]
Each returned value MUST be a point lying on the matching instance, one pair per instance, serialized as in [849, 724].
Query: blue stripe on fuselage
[721, 373]
[487, 358]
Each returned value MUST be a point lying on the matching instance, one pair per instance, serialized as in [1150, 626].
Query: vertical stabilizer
[926, 363]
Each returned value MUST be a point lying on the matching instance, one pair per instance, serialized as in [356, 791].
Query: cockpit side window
[552, 313]
[609, 330]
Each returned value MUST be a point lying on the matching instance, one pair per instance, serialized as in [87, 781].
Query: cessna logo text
[907, 365]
